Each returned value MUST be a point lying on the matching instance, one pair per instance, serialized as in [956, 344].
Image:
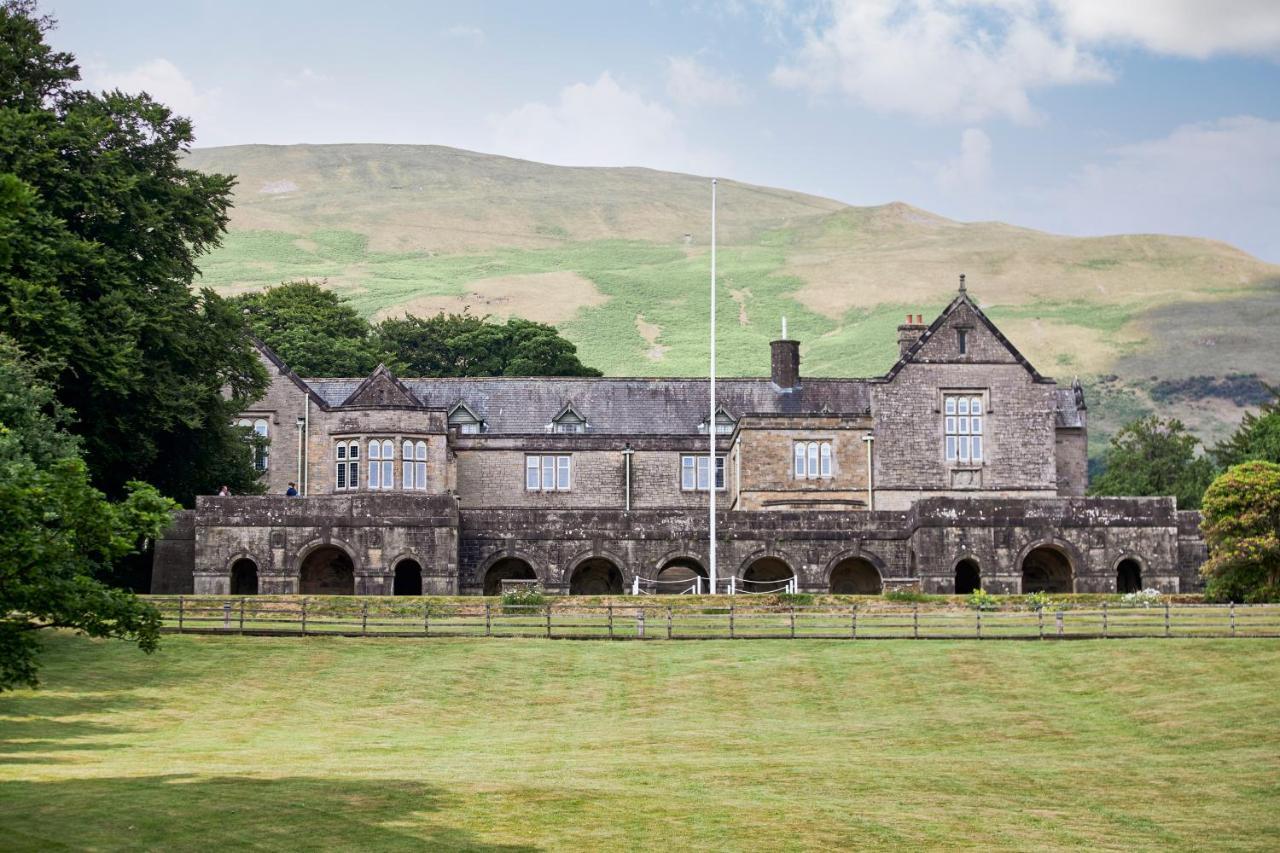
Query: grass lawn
[529, 744]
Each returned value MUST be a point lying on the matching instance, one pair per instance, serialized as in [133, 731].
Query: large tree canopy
[1257, 438]
[58, 534]
[101, 228]
[1242, 529]
[318, 333]
[1153, 456]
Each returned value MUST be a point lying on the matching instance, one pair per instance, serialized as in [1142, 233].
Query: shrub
[1142, 598]
[528, 597]
[905, 594]
[1037, 600]
[980, 599]
[1242, 529]
[795, 599]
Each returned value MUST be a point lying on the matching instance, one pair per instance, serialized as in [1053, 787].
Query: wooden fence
[408, 618]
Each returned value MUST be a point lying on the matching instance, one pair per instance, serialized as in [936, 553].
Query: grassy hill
[617, 258]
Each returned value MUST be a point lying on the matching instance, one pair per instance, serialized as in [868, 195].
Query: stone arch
[594, 574]
[1048, 565]
[326, 569]
[505, 565]
[855, 574]
[676, 573]
[407, 577]
[1129, 571]
[766, 571]
[244, 576]
[968, 575]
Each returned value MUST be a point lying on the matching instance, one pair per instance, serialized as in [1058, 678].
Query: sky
[1080, 117]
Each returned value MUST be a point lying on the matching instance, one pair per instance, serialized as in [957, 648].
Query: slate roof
[620, 406]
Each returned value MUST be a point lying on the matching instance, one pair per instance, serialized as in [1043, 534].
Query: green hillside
[617, 258]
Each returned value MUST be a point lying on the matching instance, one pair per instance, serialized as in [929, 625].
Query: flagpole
[711, 418]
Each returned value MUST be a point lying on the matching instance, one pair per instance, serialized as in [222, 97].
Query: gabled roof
[382, 389]
[464, 408]
[287, 372]
[962, 299]
[566, 410]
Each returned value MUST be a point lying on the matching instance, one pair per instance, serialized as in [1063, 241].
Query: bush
[1142, 598]
[795, 599]
[528, 597]
[980, 599]
[905, 594]
[1241, 526]
[1037, 601]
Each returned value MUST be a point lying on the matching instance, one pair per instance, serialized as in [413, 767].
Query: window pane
[951, 426]
[374, 470]
[355, 450]
[406, 475]
[531, 473]
[702, 473]
[826, 459]
[951, 405]
[962, 426]
[387, 468]
[686, 473]
[374, 450]
[813, 459]
[562, 483]
[977, 448]
[406, 450]
[342, 451]
[975, 406]
[420, 478]
[260, 427]
[799, 467]
[719, 472]
[388, 450]
[421, 451]
[951, 448]
[962, 445]
[975, 426]
[964, 406]
[548, 472]
[342, 475]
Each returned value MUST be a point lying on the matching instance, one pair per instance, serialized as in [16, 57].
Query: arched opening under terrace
[767, 574]
[678, 575]
[1046, 569]
[968, 578]
[244, 577]
[1128, 575]
[855, 576]
[327, 570]
[408, 579]
[507, 568]
[596, 576]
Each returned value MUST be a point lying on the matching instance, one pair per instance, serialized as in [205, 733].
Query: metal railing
[424, 618]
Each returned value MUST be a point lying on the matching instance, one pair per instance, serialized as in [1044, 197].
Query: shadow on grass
[178, 812]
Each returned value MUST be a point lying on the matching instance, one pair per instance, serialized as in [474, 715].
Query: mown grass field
[327, 743]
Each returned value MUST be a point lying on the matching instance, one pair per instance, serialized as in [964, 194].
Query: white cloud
[163, 81]
[970, 168]
[596, 124]
[1218, 179]
[1191, 28]
[305, 78]
[463, 32]
[691, 83]
[940, 59]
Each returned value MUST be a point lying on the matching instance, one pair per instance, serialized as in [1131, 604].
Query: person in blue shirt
[291, 492]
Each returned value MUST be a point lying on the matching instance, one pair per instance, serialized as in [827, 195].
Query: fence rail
[303, 617]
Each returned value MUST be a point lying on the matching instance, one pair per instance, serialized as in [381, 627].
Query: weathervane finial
[962, 282]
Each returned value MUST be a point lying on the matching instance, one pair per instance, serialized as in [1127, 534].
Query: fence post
[304, 617]
[853, 622]
[180, 613]
[915, 621]
[640, 623]
[1232, 611]
[426, 619]
[731, 613]
[548, 621]
[1040, 621]
[793, 621]
[978, 625]
[488, 624]
[1058, 619]
[226, 615]
[610, 620]
[242, 615]
[668, 621]
[635, 585]
[1166, 619]
[364, 618]
[1104, 620]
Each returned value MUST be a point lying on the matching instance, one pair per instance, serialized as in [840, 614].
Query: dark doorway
[596, 576]
[968, 579]
[1129, 575]
[408, 579]
[327, 571]
[767, 574]
[855, 576]
[1046, 569]
[244, 577]
[508, 568]
[679, 576]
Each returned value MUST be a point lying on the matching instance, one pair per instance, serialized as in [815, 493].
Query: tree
[1153, 456]
[101, 228]
[315, 331]
[1257, 437]
[1241, 526]
[58, 534]
[464, 345]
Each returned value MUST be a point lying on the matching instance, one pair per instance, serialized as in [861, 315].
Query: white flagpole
[711, 419]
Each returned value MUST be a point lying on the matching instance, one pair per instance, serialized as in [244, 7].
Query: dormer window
[569, 421]
[724, 423]
[465, 421]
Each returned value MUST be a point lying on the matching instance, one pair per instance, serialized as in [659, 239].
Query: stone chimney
[910, 332]
[786, 364]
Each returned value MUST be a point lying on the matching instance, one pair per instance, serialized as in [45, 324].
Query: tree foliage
[318, 333]
[58, 534]
[1155, 456]
[314, 330]
[1257, 437]
[1241, 526]
[101, 228]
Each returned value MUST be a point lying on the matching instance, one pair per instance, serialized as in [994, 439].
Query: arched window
[812, 459]
[826, 459]
[260, 429]
[388, 464]
[375, 465]
[420, 464]
[413, 465]
[799, 466]
[346, 466]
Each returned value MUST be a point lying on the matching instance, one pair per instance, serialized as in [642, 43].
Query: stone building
[960, 467]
